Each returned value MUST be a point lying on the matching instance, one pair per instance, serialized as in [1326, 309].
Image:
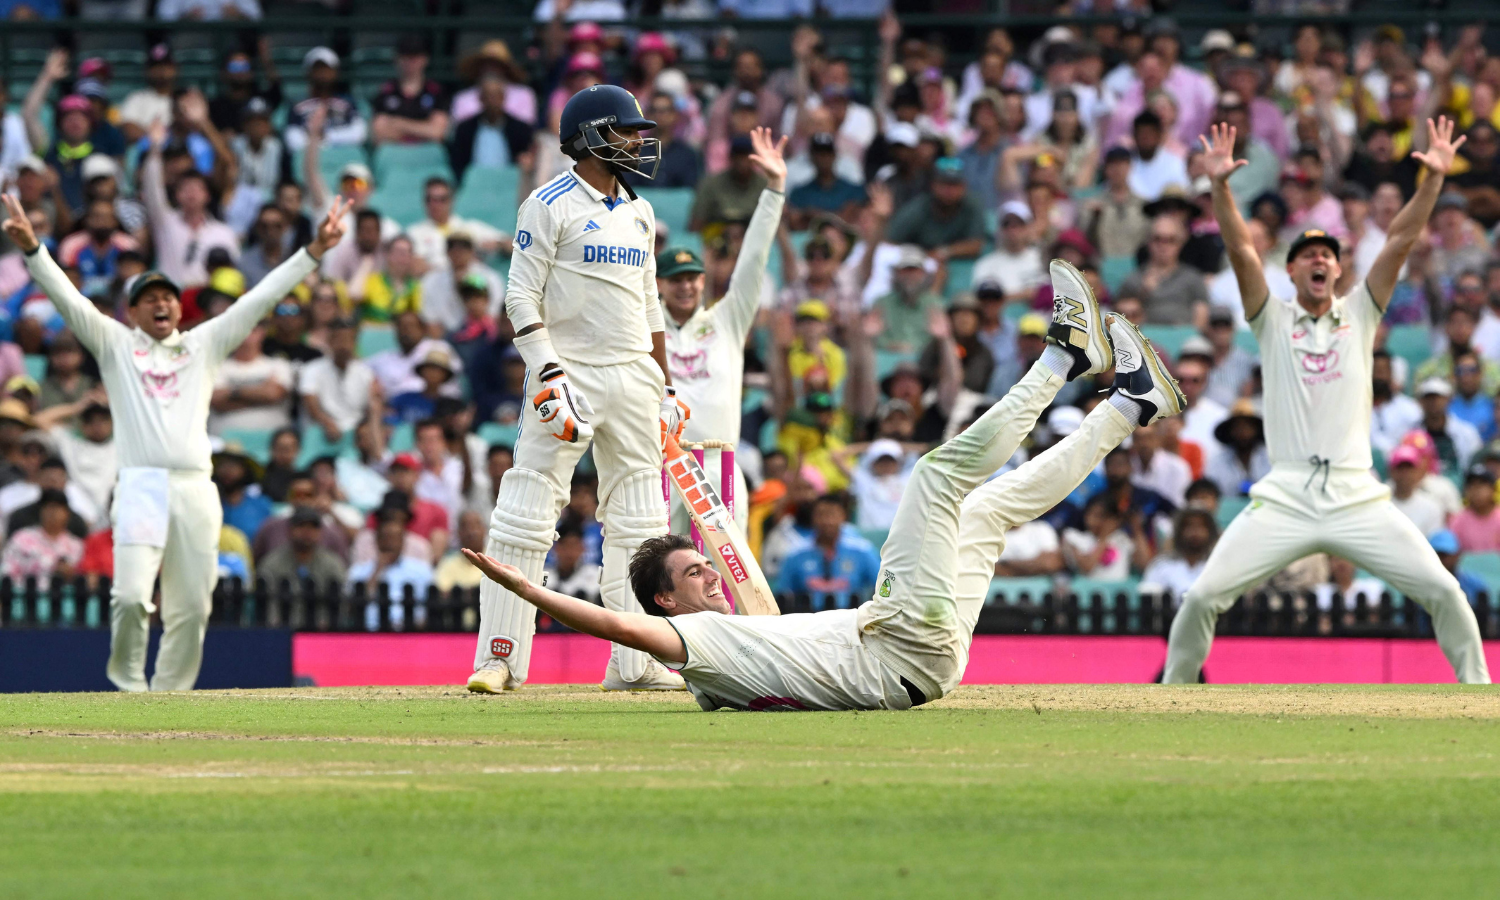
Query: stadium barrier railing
[306, 607]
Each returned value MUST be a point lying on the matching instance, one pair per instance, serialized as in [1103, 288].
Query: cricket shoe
[657, 677]
[1077, 325]
[1141, 375]
[492, 678]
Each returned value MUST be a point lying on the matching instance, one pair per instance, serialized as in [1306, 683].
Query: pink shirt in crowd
[1476, 533]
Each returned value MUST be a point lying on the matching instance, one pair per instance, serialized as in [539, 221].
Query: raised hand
[766, 155]
[1218, 156]
[56, 67]
[1441, 147]
[194, 107]
[331, 230]
[156, 135]
[17, 226]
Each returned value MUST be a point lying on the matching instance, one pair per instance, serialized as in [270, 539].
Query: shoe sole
[480, 687]
[1097, 329]
[639, 690]
[1160, 377]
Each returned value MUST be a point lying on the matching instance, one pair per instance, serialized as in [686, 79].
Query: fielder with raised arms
[166, 511]
[909, 643]
[582, 296]
[706, 347]
[1316, 351]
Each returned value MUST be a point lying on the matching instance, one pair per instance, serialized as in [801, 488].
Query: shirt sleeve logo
[523, 239]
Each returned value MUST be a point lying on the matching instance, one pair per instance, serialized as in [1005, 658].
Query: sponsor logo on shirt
[1321, 367]
[885, 583]
[617, 256]
[689, 366]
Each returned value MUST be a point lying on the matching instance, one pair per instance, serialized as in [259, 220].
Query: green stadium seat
[494, 433]
[1169, 338]
[1014, 311]
[886, 361]
[399, 160]
[960, 276]
[876, 536]
[1245, 340]
[330, 161]
[489, 195]
[375, 338]
[1009, 590]
[1412, 343]
[36, 365]
[673, 206]
[255, 443]
[400, 201]
[316, 446]
[1115, 269]
[402, 438]
[1229, 507]
[1485, 567]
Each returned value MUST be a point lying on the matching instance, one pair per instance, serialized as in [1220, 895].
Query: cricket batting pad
[633, 512]
[521, 533]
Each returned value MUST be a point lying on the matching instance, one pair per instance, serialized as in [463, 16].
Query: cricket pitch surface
[563, 791]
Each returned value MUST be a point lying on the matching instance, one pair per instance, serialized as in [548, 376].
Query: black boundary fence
[333, 607]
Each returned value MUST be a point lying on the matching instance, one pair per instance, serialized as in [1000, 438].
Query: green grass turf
[1219, 792]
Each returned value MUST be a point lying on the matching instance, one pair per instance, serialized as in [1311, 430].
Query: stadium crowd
[363, 428]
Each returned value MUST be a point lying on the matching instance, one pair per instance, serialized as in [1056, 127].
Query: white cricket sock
[1128, 408]
[1058, 360]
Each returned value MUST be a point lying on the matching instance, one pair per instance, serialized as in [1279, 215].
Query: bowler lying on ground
[910, 643]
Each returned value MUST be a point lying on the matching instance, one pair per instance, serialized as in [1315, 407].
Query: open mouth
[162, 318]
[1319, 277]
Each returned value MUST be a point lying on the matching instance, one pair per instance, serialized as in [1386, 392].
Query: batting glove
[561, 407]
[674, 414]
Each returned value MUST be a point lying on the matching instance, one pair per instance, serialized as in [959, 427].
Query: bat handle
[726, 477]
[692, 525]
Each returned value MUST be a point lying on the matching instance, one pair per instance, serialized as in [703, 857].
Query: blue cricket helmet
[588, 123]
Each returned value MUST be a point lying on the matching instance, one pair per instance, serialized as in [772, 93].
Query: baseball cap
[1032, 325]
[320, 56]
[1015, 208]
[1198, 346]
[1220, 315]
[1451, 201]
[813, 309]
[911, 257]
[883, 448]
[95, 67]
[677, 261]
[1479, 472]
[903, 134]
[406, 461]
[1406, 455]
[585, 32]
[97, 165]
[585, 62]
[357, 170]
[255, 108]
[1435, 385]
[822, 141]
[306, 515]
[1116, 154]
[228, 280]
[1443, 541]
[32, 163]
[151, 279]
[948, 168]
[1308, 238]
[75, 103]
[989, 290]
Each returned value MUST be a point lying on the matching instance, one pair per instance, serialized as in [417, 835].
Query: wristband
[536, 348]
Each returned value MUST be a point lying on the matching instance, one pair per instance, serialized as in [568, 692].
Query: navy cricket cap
[1313, 236]
[152, 279]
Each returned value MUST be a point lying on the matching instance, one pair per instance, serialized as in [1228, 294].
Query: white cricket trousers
[1298, 510]
[189, 567]
[626, 400]
[950, 527]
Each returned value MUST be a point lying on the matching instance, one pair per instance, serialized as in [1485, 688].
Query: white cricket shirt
[778, 663]
[159, 390]
[1317, 379]
[584, 267]
[706, 354]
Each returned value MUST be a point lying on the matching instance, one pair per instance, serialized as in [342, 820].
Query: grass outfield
[1118, 791]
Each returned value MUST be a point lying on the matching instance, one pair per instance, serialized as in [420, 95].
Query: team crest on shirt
[885, 584]
[523, 239]
[642, 227]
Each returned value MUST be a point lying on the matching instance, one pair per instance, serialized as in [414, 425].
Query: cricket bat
[727, 547]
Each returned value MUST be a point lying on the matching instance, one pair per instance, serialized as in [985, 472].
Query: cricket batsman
[166, 511]
[582, 297]
[909, 644]
[1316, 352]
[706, 347]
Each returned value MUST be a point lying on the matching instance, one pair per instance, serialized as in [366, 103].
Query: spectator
[1393, 413]
[240, 89]
[1101, 549]
[394, 288]
[1454, 440]
[981, 157]
[1239, 458]
[246, 508]
[411, 108]
[1459, 329]
[1152, 169]
[69, 144]
[493, 59]
[1311, 206]
[263, 160]
[1460, 243]
[21, 501]
[151, 104]
[430, 236]
[1016, 361]
[393, 569]
[878, 483]
[89, 454]
[1174, 293]
[567, 572]
[252, 391]
[1230, 366]
[66, 382]
[338, 122]
[825, 192]
[945, 221]
[25, 460]
[961, 329]
[268, 248]
[352, 263]
[301, 490]
[748, 76]
[1407, 467]
[903, 313]
[1224, 288]
[492, 139]
[1477, 525]
[338, 391]
[45, 550]
[1450, 553]
[811, 349]
[1157, 469]
[1194, 533]
[426, 523]
[909, 171]
[839, 570]
[286, 447]
[14, 143]
[182, 235]
[730, 195]
[1262, 167]
[1031, 550]
[288, 337]
[1115, 221]
[1016, 264]
[1469, 403]
[442, 303]
[679, 166]
[809, 433]
[455, 570]
[436, 372]
[1343, 582]
[303, 560]
[442, 476]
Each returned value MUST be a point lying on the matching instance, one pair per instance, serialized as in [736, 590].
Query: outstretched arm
[1219, 160]
[1407, 226]
[648, 634]
[743, 298]
[91, 325]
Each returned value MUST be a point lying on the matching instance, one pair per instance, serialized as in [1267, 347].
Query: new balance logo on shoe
[591, 226]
